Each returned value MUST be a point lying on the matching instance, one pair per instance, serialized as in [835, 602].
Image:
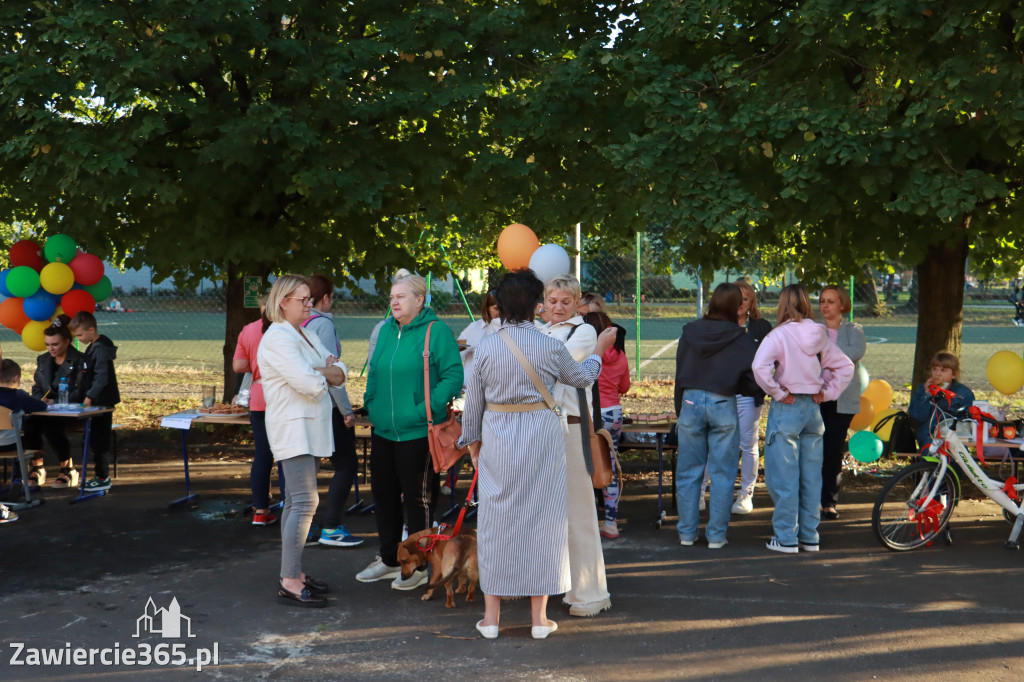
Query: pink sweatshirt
[787, 362]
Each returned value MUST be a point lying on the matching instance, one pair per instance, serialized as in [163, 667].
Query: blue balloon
[39, 306]
[3, 284]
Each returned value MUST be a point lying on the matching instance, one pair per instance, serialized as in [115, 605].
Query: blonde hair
[794, 304]
[283, 287]
[417, 284]
[566, 283]
[748, 290]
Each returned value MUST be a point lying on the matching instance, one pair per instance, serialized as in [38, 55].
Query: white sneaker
[808, 547]
[777, 546]
[744, 504]
[411, 583]
[717, 545]
[378, 570]
[588, 609]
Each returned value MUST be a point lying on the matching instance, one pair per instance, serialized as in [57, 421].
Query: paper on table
[181, 420]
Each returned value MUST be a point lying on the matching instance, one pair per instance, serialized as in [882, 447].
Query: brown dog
[450, 560]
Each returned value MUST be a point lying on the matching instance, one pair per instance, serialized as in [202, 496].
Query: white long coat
[298, 404]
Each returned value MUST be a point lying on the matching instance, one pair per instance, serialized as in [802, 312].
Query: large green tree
[230, 137]
[839, 133]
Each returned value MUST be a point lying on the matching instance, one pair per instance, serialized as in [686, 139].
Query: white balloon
[549, 260]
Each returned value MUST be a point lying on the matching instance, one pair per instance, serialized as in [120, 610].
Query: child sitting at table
[945, 372]
[100, 383]
[16, 400]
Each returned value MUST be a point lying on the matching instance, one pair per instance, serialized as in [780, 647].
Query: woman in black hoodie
[712, 367]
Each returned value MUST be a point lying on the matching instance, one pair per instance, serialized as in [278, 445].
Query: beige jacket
[298, 403]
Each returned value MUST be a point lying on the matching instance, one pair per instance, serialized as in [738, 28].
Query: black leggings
[345, 462]
[402, 477]
[833, 450]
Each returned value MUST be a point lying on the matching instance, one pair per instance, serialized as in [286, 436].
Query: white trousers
[586, 559]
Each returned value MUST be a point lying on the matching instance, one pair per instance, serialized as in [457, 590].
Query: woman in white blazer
[297, 370]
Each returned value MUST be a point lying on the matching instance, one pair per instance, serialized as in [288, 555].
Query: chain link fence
[181, 331]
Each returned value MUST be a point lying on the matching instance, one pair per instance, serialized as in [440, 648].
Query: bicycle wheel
[898, 518]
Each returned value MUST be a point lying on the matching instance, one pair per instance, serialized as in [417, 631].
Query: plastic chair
[12, 421]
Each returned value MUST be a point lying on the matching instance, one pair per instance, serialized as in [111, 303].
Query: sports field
[193, 340]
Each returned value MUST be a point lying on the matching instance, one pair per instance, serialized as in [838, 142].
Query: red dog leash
[428, 542]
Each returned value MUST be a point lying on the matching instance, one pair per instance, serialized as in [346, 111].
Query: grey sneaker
[411, 583]
[378, 570]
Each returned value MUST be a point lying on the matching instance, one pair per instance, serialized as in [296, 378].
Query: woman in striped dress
[523, 531]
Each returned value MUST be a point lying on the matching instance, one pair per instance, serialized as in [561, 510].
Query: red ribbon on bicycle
[432, 540]
[979, 438]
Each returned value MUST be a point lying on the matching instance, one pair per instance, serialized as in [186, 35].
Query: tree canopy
[839, 134]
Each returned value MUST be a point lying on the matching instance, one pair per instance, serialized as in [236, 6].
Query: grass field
[173, 353]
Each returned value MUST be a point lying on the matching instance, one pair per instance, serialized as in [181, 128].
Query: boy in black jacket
[16, 400]
[100, 383]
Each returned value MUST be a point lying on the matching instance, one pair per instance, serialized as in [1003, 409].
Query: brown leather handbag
[442, 438]
[597, 450]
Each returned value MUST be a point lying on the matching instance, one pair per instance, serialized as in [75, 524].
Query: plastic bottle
[245, 390]
[63, 392]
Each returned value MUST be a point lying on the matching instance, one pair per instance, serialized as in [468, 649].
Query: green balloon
[22, 281]
[60, 248]
[101, 290]
[866, 446]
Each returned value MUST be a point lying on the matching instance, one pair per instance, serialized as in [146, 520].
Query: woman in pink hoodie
[799, 368]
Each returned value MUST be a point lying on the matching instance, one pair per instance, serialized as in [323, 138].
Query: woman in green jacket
[400, 464]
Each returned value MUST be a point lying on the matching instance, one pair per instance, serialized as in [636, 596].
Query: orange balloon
[12, 315]
[515, 246]
[865, 417]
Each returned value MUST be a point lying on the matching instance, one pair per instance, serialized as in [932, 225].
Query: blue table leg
[189, 495]
[82, 496]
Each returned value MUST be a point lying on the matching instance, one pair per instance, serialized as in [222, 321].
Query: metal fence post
[639, 239]
[851, 297]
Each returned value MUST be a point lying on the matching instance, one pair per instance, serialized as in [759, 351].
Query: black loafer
[316, 586]
[829, 514]
[305, 598]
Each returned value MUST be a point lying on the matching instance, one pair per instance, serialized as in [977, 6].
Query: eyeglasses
[305, 300]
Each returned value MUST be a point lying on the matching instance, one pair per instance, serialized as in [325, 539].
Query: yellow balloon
[879, 392]
[886, 431]
[863, 419]
[32, 335]
[57, 278]
[1005, 371]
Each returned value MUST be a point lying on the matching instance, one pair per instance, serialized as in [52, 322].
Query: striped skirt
[522, 527]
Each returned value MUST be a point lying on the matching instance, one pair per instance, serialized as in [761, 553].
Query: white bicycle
[917, 502]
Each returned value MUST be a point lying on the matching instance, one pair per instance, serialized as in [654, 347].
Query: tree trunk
[237, 317]
[941, 292]
[864, 291]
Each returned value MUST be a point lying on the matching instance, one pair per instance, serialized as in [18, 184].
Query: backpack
[901, 437]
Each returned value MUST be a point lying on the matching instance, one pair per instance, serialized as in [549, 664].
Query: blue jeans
[709, 437]
[792, 469]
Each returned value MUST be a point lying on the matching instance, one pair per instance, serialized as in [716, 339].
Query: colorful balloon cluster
[875, 405]
[44, 282]
[518, 247]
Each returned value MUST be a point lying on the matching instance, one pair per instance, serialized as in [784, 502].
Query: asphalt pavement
[76, 582]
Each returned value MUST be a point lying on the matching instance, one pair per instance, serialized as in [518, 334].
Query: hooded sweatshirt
[714, 355]
[787, 362]
[100, 378]
[394, 394]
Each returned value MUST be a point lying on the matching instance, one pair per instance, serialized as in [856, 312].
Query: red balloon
[12, 314]
[77, 300]
[88, 269]
[27, 252]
